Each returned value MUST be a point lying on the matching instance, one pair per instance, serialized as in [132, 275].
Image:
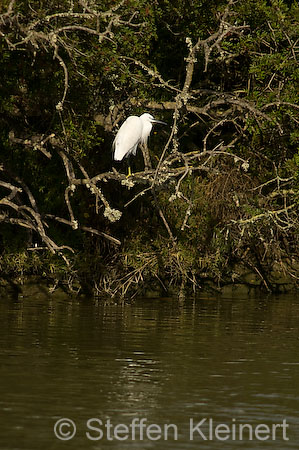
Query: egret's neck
[146, 129]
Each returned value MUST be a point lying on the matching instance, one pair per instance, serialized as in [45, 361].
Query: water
[227, 361]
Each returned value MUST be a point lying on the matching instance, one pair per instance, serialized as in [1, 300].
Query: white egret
[134, 131]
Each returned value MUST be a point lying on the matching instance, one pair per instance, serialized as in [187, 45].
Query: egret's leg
[129, 172]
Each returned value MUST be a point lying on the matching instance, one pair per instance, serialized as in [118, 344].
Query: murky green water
[227, 361]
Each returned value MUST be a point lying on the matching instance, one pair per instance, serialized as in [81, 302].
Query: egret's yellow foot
[129, 172]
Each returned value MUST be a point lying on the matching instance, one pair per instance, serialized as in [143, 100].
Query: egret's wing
[127, 138]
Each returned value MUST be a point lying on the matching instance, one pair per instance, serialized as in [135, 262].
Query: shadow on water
[227, 360]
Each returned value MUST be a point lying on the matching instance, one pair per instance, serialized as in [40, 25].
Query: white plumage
[134, 130]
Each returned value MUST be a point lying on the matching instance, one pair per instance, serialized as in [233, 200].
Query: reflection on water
[230, 360]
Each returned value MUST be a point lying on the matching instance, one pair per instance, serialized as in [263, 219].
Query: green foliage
[260, 66]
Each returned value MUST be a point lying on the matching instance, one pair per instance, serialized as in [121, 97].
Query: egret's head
[146, 117]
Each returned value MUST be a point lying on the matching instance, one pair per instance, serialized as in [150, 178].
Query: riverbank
[247, 283]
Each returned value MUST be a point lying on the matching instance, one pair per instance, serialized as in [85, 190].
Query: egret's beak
[158, 121]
